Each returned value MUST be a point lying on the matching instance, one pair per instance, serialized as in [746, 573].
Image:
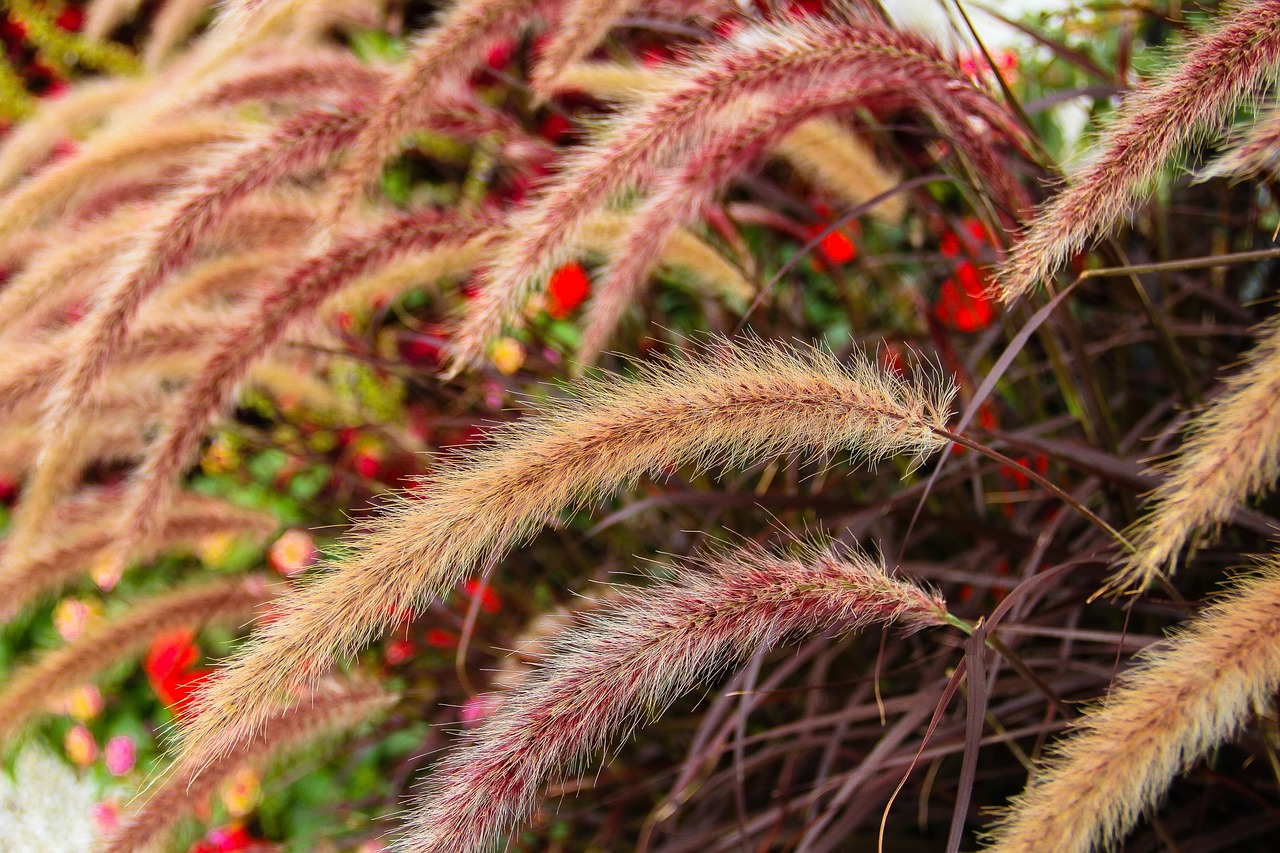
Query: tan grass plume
[1185, 698]
[737, 403]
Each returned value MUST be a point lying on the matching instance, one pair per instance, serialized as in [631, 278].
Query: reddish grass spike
[1187, 697]
[58, 670]
[739, 403]
[296, 297]
[1220, 70]
[192, 518]
[333, 707]
[1233, 451]
[580, 29]
[1257, 153]
[300, 143]
[296, 78]
[678, 198]
[633, 660]
[768, 61]
[450, 49]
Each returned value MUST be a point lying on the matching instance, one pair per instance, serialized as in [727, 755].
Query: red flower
[567, 289]
[489, 600]
[836, 247]
[441, 639]
[227, 839]
[398, 651]
[170, 653]
[169, 667]
[555, 127]
[963, 304]
[71, 18]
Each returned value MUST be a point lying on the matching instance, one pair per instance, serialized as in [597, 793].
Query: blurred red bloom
[963, 303]
[566, 290]
[489, 600]
[169, 666]
[836, 247]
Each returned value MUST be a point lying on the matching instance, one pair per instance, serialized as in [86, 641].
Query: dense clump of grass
[293, 250]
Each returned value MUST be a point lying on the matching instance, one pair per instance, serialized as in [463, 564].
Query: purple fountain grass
[765, 61]
[334, 706]
[174, 332]
[35, 137]
[829, 154]
[633, 659]
[298, 144]
[294, 298]
[103, 16]
[294, 79]
[581, 26]
[1219, 71]
[678, 198]
[28, 690]
[739, 403]
[1187, 697]
[192, 518]
[441, 57]
[1256, 153]
[51, 189]
[1233, 452]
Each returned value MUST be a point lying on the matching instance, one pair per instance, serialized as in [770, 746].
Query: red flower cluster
[964, 303]
[171, 670]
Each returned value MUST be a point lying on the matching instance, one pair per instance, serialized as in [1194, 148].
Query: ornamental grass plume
[48, 191]
[192, 518]
[763, 61]
[1185, 698]
[829, 154]
[1199, 95]
[333, 707]
[35, 137]
[636, 657]
[1233, 452]
[1256, 153]
[441, 56]
[294, 298]
[736, 404]
[581, 26]
[28, 689]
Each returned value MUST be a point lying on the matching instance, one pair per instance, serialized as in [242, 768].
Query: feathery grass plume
[1184, 699]
[1233, 452]
[172, 23]
[119, 435]
[71, 255]
[681, 196]
[582, 25]
[830, 155]
[763, 61]
[335, 706]
[192, 518]
[293, 78]
[1256, 153]
[103, 16]
[51, 189]
[299, 143]
[173, 332]
[40, 294]
[634, 659]
[1221, 69]
[227, 279]
[738, 403]
[27, 690]
[295, 298]
[86, 103]
[833, 158]
[447, 51]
